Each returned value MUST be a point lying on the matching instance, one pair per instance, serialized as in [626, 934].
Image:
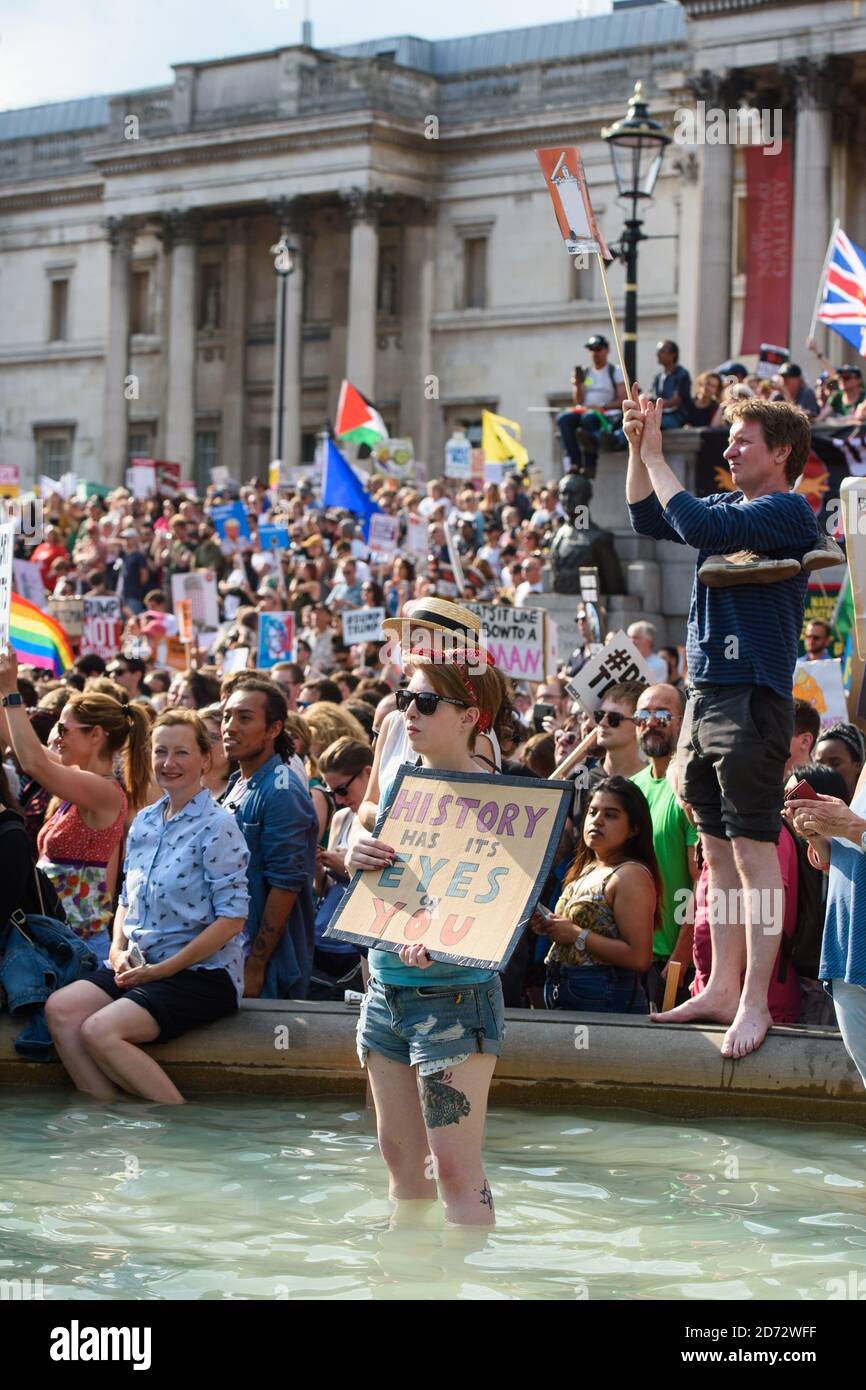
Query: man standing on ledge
[741, 652]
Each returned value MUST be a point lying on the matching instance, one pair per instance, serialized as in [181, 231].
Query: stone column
[416, 312]
[181, 230]
[363, 209]
[287, 331]
[712, 334]
[115, 404]
[234, 377]
[814, 83]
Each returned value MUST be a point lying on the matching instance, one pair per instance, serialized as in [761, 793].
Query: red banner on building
[769, 202]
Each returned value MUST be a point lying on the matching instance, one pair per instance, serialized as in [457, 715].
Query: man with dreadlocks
[281, 829]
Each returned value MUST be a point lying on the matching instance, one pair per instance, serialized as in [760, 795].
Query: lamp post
[637, 145]
[284, 255]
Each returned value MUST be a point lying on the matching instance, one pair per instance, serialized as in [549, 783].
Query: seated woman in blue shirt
[183, 905]
[441, 1021]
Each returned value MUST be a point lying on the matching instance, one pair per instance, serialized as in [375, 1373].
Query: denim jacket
[280, 826]
[34, 962]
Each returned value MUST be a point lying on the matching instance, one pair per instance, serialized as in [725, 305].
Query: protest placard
[276, 639]
[200, 587]
[770, 359]
[183, 612]
[852, 496]
[363, 625]
[27, 579]
[384, 534]
[618, 661]
[231, 522]
[10, 480]
[472, 855]
[819, 683]
[395, 458]
[515, 639]
[235, 659]
[100, 633]
[273, 537]
[416, 536]
[68, 612]
[7, 545]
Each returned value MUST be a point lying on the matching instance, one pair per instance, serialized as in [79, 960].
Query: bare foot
[747, 1032]
[709, 1007]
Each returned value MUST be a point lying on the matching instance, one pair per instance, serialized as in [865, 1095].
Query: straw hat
[437, 615]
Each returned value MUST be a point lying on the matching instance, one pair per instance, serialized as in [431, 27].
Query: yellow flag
[498, 443]
[274, 474]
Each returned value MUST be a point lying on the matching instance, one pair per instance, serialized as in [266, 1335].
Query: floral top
[586, 906]
[77, 859]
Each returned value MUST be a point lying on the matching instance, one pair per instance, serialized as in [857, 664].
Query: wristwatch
[580, 939]
[16, 699]
[863, 842]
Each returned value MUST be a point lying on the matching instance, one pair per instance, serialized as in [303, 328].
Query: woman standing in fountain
[430, 1032]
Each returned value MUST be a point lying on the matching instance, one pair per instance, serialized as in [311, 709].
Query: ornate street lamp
[637, 145]
[284, 255]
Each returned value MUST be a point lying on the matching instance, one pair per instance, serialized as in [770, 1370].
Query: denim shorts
[432, 1024]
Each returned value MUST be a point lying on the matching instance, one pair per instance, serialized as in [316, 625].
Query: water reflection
[248, 1199]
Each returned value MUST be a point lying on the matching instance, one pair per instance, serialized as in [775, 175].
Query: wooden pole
[576, 755]
[613, 325]
[671, 985]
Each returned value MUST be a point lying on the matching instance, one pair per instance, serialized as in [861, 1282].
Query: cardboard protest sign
[551, 647]
[472, 855]
[515, 639]
[200, 587]
[231, 522]
[69, 613]
[771, 358]
[566, 183]
[363, 625]
[384, 534]
[7, 544]
[28, 582]
[822, 597]
[619, 661]
[276, 639]
[100, 633]
[183, 610]
[395, 458]
[163, 475]
[819, 683]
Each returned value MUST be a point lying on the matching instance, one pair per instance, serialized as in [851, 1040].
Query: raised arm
[645, 511]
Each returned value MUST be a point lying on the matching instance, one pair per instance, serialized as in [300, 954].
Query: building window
[140, 444]
[140, 315]
[206, 458]
[54, 451]
[308, 446]
[59, 329]
[475, 272]
[210, 295]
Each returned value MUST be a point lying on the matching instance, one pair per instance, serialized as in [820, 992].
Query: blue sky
[54, 50]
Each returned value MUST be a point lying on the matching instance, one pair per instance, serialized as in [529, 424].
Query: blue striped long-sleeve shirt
[746, 634]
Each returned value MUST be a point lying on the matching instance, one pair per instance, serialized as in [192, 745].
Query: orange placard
[183, 609]
[562, 167]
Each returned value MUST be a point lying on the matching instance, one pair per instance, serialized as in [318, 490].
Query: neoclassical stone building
[138, 295]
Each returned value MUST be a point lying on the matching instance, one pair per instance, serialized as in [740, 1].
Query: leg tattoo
[441, 1103]
[486, 1195]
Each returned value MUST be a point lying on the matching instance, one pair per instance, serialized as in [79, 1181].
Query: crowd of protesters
[199, 829]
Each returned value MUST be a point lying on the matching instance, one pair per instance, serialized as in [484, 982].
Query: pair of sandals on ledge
[747, 567]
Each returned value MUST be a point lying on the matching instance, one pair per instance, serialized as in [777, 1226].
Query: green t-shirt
[673, 832]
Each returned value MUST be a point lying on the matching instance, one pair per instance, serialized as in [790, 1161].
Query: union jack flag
[843, 301]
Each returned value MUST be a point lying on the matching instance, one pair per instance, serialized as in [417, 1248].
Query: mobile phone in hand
[802, 792]
[540, 712]
[134, 958]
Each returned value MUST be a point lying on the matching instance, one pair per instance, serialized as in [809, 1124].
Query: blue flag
[342, 488]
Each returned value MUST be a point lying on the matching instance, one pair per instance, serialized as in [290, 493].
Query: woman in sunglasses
[345, 766]
[430, 1032]
[602, 929]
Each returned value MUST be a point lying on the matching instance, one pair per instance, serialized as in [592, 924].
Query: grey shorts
[735, 742]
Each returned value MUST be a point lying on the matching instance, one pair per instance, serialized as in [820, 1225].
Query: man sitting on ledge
[741, 651]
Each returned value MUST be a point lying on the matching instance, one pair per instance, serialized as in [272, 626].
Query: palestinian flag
[357, 420]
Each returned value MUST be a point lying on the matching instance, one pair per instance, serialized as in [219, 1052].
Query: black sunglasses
[613, 718]
[426, 702]
[344, 790]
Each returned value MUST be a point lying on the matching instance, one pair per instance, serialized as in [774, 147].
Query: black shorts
[735, 742]
[183, 1001]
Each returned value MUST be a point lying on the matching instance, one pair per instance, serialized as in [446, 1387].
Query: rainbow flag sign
[38, 639]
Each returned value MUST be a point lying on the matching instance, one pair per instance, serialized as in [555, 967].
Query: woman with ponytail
[80, 845]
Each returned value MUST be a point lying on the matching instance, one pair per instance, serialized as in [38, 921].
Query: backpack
[803, 948]
[40, 896]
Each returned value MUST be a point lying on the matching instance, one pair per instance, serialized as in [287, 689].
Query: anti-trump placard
[471, 857]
